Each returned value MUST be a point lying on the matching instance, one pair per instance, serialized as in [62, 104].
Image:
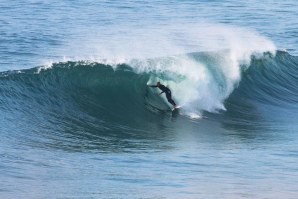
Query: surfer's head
[158, 84]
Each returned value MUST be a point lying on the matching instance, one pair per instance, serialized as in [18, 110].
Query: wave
[200, 82]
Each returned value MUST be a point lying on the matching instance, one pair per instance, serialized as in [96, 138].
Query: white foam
[47, 65]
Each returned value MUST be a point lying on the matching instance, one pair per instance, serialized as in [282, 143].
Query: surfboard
[176, 109]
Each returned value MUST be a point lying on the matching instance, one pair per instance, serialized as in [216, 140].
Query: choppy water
[79, 121]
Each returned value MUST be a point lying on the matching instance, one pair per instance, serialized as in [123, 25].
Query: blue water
[79, 121]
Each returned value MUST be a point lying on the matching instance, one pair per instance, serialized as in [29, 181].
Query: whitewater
[78, 119]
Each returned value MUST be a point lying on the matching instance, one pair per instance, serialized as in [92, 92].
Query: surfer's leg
[173, 103]
[170, 100]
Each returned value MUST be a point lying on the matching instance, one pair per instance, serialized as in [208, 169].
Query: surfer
[166, 90]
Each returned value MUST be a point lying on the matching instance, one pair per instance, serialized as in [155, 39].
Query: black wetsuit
[168, 93]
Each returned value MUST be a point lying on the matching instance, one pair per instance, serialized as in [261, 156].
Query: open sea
[78, 120]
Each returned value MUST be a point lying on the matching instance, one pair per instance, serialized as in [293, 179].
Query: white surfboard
[176, 108]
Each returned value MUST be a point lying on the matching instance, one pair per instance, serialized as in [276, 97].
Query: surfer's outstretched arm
[161, 93]
[154, 86]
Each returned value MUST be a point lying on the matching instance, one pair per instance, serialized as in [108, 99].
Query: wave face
[118, 94]
[271, 80]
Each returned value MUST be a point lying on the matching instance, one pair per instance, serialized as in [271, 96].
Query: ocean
[79, 120]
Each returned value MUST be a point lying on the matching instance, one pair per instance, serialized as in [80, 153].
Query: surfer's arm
[161, 93]
[153, 86]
